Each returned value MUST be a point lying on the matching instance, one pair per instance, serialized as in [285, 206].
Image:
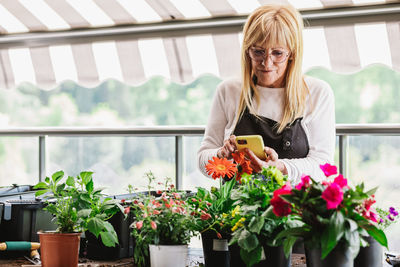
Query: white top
[318, 123]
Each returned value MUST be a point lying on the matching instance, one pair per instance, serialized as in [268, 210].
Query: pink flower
[127, 210]
[328, 169]
[370, 215]
[305, 182]
[139, 225]
[153, 225]
[333, 195]
[156, 212]
[281, 207]
[219, 236]
[205, 216]
[341, 181]
[177, 195]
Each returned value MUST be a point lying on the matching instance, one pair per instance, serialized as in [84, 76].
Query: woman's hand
[228, 148]
[272, 160]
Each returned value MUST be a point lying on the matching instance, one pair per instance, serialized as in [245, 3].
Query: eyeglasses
[276, 55]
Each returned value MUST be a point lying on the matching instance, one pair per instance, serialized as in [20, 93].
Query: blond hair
[275, 25]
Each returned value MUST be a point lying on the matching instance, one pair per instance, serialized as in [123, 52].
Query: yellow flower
[238, 224]
[224, 215]
[235, 210]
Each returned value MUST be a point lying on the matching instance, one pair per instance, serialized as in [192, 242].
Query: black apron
[291, 143]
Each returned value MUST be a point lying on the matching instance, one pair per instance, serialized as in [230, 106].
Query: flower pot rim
[159, 245]
[54, 232]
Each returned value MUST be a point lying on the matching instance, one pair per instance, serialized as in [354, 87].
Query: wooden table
[298, 260]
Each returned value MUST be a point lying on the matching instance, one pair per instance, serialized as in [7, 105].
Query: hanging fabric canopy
[46, 42]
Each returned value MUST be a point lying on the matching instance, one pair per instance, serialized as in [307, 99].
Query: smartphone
[253, 142]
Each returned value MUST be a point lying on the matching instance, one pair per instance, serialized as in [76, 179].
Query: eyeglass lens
[276, 55]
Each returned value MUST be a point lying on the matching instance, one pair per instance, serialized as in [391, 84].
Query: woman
[294, 114]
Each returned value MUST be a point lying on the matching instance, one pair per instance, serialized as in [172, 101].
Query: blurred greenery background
[369, 96]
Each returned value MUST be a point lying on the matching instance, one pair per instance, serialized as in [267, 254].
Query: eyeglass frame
[269, 55]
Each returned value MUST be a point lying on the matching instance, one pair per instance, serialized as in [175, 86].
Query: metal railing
[343, 131]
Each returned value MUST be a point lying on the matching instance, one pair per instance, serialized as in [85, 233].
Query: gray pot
[340, 256]
[370, 256]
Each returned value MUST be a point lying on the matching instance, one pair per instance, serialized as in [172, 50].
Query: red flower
[281, 207]
[176, 195]
[220, 168]
[328, 169]
[122, 200]
[305, 182]
[243, 165]
[333, 195]
[139, 225]
[205, 216]
[127, 210]
[219, 236]
[341, 181]
[153, 225]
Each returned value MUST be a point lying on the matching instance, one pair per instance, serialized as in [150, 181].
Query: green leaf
[70, 181]
[288, 245]
[372, 191]
[251, 257]
[377, 234]
[86, 177]
[41, 192]
[41, 185]
[84, 213]
[57, 176]
[109, 239]
[95, 226]
[332, 233]
[89, 186]
[256, 224]
[353, 240]
[247, 240]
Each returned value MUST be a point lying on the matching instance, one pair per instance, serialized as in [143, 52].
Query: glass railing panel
[19, 157]
[115, 161]
[376, 161]
[192, 176]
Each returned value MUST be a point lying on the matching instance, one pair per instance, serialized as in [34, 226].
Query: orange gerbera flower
[220, 167]
[243, 165]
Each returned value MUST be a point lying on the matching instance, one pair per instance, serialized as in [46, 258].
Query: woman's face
[269, 65]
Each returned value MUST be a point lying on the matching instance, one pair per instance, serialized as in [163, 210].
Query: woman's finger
[271, 154]
[255, 163]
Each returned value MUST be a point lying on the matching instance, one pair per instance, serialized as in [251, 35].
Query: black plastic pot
[97, 251]
[370, 256]
[215, 250]
[340, 256]
[274, 257]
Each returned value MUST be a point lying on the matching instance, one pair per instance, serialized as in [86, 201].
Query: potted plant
[162, 227]
[77, 206]
[210, 206]
[371, 252]
[334, 225]
[254, 224]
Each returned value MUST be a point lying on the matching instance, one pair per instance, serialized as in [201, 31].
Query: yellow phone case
[253, 142]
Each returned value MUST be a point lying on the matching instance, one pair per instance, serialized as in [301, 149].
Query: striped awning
[46, 42]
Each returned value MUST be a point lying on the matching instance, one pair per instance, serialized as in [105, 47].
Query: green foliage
[77, 206]
[161, 218]
[325, 227]
[252, 221]
[210, 206]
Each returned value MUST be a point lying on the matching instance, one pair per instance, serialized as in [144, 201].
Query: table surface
[298, 260]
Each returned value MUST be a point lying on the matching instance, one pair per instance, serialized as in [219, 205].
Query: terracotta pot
[61, 250]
